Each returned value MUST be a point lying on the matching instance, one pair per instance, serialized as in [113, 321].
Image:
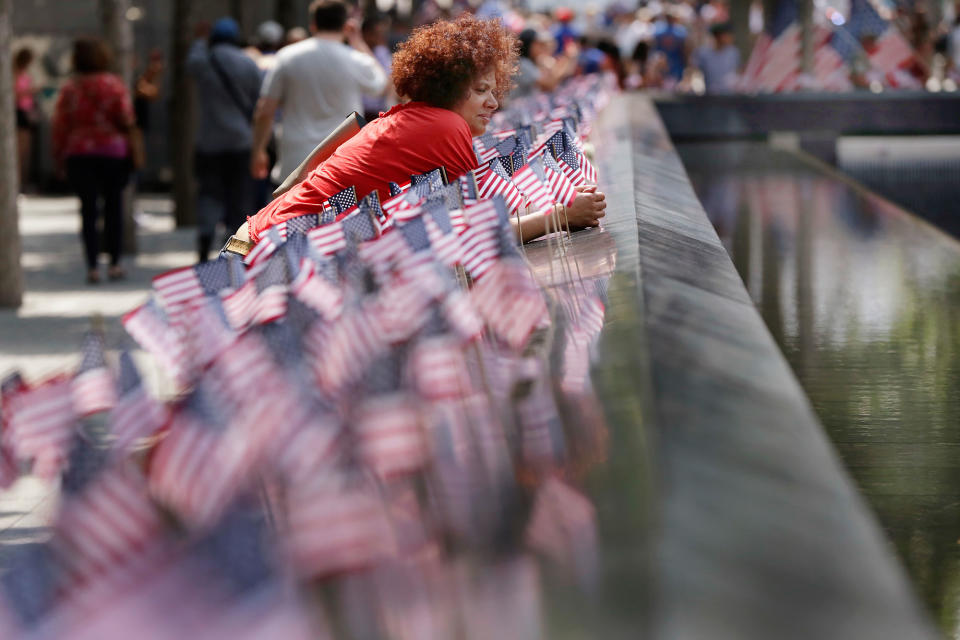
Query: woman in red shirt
[454, 73]
[91, 124]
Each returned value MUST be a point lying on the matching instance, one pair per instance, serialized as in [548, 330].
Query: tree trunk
[181, 116]
[11, 275]
[118, 32]
[286, 13]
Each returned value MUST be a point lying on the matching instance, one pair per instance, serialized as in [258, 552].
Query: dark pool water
[864, 301]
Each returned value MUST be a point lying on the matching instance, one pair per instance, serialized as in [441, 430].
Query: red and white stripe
[42, 425]
[317, 292]
[136, 415]
[93, 391]
[533, 187]
[493, 184]
[177, 288]
[440, 369]
[158, 338]
[334, 530]
[110, 522]
[389, 436]
[328, 239]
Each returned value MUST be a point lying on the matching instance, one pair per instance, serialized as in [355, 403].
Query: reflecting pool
[864, 301]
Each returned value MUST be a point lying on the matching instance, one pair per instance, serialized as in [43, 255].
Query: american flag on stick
[41, 425]
[136, 414]
[93, 386]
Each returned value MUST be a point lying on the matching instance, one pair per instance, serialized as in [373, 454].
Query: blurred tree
[118, 33]
[11, 275]
[181, 115]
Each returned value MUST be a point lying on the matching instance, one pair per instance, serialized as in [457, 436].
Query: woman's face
[478, 105]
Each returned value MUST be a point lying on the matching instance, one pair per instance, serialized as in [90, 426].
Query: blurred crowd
[245, 105]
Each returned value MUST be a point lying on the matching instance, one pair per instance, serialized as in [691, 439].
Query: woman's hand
[588, 207]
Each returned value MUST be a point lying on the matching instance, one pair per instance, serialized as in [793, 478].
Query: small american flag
[389, 435]
[360, 226]
[93, 387]
[353, 341]
[344, 200]
[327, 240]
[302, 224]
[439, 368]
[148, 325]
[569, 162]
[107, 517]
[445, 241]
[137, 414]
[272, 286]
[269, 242]
[178, 288]
[532, 182]
[316, 291]
[563, 190]
[510, 301]
[336, 529]
[434, 178]
[41, 425]
[497, 182]
[238, 305]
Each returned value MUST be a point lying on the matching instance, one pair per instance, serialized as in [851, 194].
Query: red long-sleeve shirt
[411, 138]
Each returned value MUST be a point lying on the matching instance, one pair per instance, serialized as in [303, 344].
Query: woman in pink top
[26, 109]
[90, 129]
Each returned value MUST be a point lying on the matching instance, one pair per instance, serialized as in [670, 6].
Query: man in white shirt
[315, 83]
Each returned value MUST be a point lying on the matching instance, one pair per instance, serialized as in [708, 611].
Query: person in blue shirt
[670, 38]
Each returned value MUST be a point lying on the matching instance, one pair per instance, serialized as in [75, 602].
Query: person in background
[539, 70]
[91, 128]
[563, 31]
[26, 107]
[719, 62]
[227, 83]
[267, 41]
[147, 89]
[374, 31]
[315, 83]
[670, 39]
[295, 35]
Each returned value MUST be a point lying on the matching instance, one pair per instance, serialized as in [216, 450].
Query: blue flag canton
[359, 227]
[274, 273]
[238, 549]
[385, 374]
[299, 316]
[345, 200]
[394, 188]
[370, 204]
[31, 582]
[294, 250]
[435, 178]
[128, 379]
[237, 271]
[449, 196]
[84, 462]
[283, 340]
[415, 233]
[92, 352]
[507, 146]
[440, 215]
[302, 224]
[213, 275]
[201, 404]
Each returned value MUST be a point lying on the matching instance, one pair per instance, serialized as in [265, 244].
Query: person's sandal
[116, 273]
[93, 276]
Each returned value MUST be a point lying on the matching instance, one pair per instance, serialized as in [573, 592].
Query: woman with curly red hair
[453, 74]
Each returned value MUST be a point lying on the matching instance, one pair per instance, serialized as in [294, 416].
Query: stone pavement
[43, 336]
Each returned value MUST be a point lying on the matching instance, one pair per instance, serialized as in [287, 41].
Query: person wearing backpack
[227, 85]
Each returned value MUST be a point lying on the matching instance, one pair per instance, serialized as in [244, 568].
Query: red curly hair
[439, 61]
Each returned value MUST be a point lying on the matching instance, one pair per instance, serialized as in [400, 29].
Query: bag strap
[231, 88]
